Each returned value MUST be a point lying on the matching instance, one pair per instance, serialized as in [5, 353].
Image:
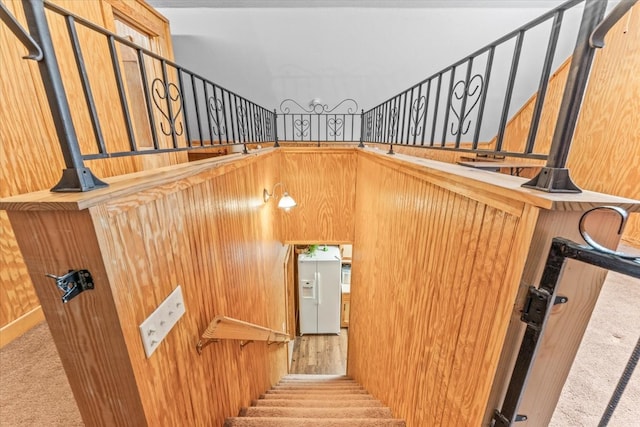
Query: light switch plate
[156, 327]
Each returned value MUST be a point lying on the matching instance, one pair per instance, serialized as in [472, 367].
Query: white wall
[367, 54]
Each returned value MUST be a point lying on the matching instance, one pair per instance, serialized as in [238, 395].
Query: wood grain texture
[434, 274]
[581, 284]
[213, 236]
[217, 239]
[30, 158]
[87, 331]
[322, 181]
[605, 154]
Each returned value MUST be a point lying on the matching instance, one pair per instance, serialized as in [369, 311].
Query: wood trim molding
[22, 324]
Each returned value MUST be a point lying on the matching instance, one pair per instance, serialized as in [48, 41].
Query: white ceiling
[353, 3]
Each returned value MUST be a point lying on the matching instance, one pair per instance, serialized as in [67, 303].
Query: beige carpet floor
[34, 390]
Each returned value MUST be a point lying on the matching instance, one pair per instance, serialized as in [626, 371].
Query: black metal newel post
[275, 128]
[554, 177]
[361, 145]
[76, 177]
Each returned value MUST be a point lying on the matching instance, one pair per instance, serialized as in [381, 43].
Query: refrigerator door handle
[319, 287]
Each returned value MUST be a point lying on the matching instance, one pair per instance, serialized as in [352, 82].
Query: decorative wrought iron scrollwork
[350, 104]
[393, 119]
[302, 127]
[335, 126]
[267, 126]
[241, 116]
[369, 126]
[160, 92]
[257, 124]
[472, 91]
[216, 111]
[417, 113]
[379, 119]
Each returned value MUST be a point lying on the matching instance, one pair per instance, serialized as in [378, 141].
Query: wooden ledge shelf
[227, 328]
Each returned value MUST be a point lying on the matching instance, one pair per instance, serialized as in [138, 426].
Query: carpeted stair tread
[317, 396]
[317, 387]
[318, 384]
[256, 411]
[312, 422]
[316, 403]
[317, 391]
[316, 377]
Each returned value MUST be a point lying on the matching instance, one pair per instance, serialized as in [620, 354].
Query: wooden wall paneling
[323, 184]
[607, 128]
[30, 156]
[17, 296]
[428, 258]
[605, 155]
[221, 246]
[206, 229]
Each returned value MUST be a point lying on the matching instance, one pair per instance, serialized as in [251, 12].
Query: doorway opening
[322, 288]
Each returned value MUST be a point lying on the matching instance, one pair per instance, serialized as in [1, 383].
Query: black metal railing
[319, 122]
[180, 109]
[450, 109]
[163, 107]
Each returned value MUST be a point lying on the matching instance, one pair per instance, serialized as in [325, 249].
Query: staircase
[315, 400]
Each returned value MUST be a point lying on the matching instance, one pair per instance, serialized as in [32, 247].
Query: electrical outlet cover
[156, 327]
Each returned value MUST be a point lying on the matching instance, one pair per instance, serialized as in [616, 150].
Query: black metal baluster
[231, 115]
[218, 125]
[404, 117]
[426, 110]
[224, 116]
[208, 98]
[463, 106]
[172, 123]
[184, 107]
[86, 88]
[121, 93]
[446, 111]
[415, 122]
[544, 80]
[197, 103]
[507, 98]
[75, 176]
[435, 110]
[147, 98]
[483, 97]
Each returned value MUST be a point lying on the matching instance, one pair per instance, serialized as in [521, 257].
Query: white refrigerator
[319, 291]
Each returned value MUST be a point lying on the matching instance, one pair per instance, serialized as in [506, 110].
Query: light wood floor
[320, 354]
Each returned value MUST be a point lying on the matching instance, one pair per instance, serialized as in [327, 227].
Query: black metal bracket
[73, 283]
[538, 306]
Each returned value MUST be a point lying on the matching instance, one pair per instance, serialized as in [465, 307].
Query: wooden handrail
[227, 328]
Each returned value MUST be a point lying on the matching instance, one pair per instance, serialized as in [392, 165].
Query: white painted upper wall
[368, 54]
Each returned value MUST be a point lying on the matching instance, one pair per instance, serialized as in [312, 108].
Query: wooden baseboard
[22, 324]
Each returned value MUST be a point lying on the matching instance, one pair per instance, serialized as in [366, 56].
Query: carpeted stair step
[317, 403]
[256, 411]
[312, 422]
[316, 377]
[317, 391]
[318, 384]
[316, 387]
[318, 396]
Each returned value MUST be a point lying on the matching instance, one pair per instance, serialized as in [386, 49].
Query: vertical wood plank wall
[605, 153]
[323, 183]
[212, 234]
[30, 158]
[434, 276]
